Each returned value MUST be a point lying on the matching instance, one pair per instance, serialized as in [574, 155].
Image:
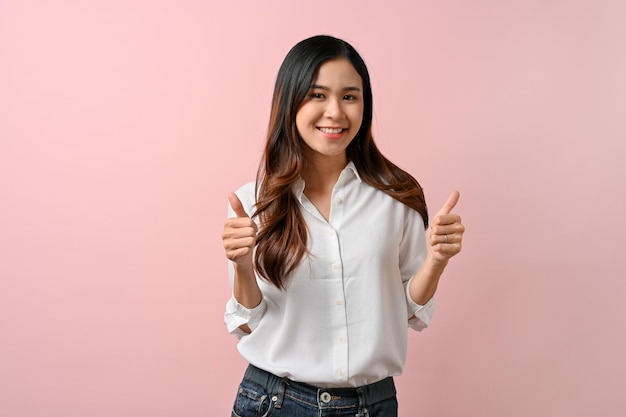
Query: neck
[322, 174]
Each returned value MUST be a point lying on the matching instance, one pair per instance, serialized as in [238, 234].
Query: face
[331, 115]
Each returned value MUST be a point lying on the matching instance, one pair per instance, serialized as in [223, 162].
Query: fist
[446, 231]
[239, 234]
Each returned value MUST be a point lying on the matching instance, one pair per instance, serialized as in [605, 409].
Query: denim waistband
[365, 395]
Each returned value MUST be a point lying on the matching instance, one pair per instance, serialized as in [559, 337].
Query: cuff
[237, 315]
[419, 314]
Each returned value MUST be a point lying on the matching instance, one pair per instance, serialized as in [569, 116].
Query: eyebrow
[321, 87]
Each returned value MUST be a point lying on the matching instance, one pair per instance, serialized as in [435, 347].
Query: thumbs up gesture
[239, 234]
[446, 231]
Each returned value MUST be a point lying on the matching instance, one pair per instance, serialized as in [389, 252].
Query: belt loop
[280, 393]
[362, 404]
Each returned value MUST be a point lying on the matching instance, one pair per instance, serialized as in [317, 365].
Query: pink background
[123, 125]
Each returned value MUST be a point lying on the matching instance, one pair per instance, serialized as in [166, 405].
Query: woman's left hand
[445, 235]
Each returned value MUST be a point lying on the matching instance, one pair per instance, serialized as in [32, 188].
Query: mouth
[331, 130]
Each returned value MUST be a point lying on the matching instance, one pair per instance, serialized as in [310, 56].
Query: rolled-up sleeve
[237, 315]
[420, 319]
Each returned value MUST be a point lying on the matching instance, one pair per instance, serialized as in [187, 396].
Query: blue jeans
[262, 394]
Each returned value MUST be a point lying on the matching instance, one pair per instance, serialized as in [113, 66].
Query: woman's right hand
[239, 235]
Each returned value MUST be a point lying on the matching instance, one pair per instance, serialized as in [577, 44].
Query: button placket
[339, 336]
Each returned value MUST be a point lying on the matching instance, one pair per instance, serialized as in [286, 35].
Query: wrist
[435, 263]
[243, 269]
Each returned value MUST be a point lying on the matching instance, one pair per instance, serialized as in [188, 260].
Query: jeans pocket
[252, 401]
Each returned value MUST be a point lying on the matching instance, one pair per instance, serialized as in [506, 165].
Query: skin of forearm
[245, 288]
[424, 283]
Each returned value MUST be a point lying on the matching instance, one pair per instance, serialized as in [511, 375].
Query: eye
[349, 97]
[317, 95]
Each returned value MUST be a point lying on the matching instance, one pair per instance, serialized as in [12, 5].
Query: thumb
[450, 203]
[235, 203]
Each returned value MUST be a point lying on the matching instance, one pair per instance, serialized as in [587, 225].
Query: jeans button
[325, 397]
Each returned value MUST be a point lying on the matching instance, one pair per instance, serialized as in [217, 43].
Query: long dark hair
[282, 237]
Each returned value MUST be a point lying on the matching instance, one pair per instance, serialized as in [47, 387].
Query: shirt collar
[352, 167]
[298, 187]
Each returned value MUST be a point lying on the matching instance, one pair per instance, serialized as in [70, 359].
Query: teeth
[329, 130]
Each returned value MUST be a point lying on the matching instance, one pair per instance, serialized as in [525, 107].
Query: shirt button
[331, 232]
[335, 265]
[338, 200]
[340, 339]
[338, 301]
[340, 372]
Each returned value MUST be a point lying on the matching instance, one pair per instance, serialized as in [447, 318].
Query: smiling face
[332, 113]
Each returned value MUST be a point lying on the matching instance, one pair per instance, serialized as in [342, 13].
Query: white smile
[330, 130]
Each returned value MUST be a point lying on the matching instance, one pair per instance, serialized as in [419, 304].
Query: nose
[333, 108]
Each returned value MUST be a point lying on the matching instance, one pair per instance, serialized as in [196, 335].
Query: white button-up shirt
[342, 320]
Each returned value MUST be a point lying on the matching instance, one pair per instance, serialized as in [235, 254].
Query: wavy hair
[282, 237]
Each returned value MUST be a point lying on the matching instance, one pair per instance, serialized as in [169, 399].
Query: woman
[329, 257]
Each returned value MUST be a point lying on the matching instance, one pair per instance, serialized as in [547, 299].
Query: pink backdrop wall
[123, 125]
